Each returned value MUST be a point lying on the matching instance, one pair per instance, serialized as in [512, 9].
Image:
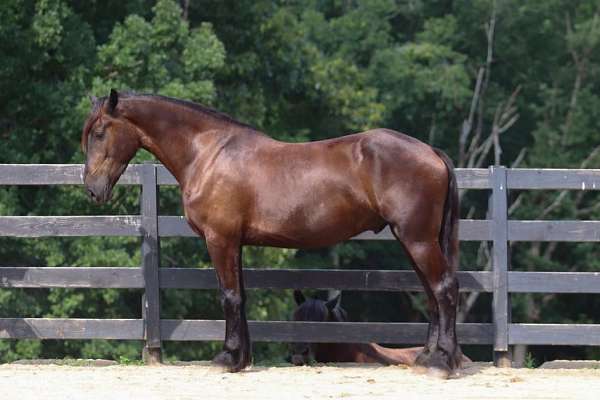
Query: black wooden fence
[497, 229]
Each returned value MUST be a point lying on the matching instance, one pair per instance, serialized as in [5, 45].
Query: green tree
[162, 55]
[452, 73]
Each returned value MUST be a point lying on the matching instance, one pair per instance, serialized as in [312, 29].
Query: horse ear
[299, 297]
[334, 302]
[113, 99]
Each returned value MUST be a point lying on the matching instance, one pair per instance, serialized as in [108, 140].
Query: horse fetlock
[457, 358]
[233, 360]
[451, 352]
[447, 345]
[439, 362]
[233, 343]
[225, 359]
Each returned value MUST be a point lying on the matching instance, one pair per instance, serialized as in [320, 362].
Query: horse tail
[449, 230]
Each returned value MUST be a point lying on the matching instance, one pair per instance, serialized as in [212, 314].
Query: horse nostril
[91, 193]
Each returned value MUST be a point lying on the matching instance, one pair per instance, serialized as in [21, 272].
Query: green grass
[127, 361]
[530, 361]
[274, 364]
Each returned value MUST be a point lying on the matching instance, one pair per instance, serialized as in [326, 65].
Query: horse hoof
[435, 364]
[434, 372]
[226, 360]
[438, 373]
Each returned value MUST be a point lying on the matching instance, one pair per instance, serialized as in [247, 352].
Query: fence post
[500, 261]
[152, 353]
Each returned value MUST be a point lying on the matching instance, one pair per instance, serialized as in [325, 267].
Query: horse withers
[317, 310]
[241, 187]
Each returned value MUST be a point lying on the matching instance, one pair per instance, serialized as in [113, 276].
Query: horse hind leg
[441, 355]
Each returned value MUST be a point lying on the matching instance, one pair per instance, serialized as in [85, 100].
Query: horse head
[109, 142]
[314, 310]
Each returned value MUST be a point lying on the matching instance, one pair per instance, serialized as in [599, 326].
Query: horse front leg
[226, 256]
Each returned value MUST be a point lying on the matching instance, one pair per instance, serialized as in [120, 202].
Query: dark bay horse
[241, 187]
[317, 310]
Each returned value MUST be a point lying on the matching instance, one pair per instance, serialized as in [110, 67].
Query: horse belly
[311, 223]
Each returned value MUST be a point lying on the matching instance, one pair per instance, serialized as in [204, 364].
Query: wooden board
[554, 231]
[554, 282]
[555, 334]
[70, 277]
[71, 328]
[341, 332]
[500, 299]
[467, 178]
[280, 331]
[56, 174]
[122, 225]
[164, 177]
[472, 230]
[376, 280]
[194, 278]
[150, 257]
[473, 178]
[536, 179]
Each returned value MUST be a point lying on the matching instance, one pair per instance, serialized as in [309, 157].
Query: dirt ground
[351, 381]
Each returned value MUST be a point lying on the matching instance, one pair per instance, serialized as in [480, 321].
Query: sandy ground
[351, 381]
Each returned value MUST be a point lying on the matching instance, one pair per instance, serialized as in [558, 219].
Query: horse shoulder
[217, 193]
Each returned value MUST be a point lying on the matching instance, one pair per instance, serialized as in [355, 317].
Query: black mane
[189, 104]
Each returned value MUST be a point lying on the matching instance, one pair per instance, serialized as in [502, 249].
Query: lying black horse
[330, 311]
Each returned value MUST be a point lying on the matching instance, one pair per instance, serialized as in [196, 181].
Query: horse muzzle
[99, 189]
[299, 360]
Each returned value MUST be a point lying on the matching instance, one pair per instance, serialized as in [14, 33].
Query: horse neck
[177, 135]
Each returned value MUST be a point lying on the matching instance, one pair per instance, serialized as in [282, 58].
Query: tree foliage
[488, 81]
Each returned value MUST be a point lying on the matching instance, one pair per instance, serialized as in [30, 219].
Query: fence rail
[150, 226]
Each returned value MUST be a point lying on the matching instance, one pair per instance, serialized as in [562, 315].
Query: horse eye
[99, 134]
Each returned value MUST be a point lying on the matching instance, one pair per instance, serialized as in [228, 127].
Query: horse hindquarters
[425, 222]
